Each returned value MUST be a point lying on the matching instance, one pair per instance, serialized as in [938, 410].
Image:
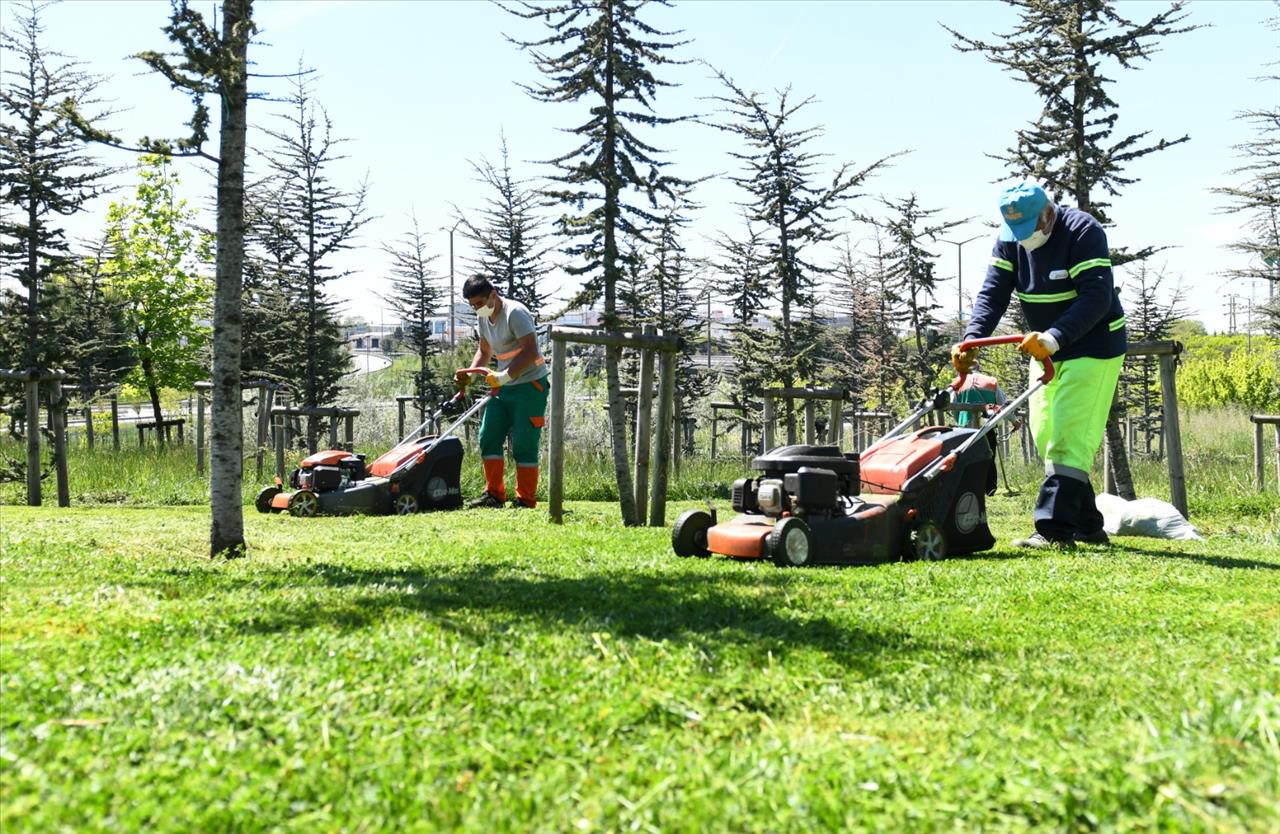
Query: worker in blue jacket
[1056, 260]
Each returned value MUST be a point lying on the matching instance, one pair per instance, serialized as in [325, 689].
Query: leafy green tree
[510, 245]
[599, 53]
[314, 219]
[781, 180]
[154, 254]
[1065, 50]
[416, 297]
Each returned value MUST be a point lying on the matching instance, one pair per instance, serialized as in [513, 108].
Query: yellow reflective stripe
[1116, 325]
[1001, 263]
[1046, 298]
[1083, 265]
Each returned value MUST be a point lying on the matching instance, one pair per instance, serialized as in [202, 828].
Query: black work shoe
[486, 500]
[1099, 537]
[1036, 541]
[520, 504]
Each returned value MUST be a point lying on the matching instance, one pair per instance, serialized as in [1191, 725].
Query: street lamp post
[959, 285]
[451, 327]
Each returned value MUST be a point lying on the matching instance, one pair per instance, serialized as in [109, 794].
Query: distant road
[368, 361]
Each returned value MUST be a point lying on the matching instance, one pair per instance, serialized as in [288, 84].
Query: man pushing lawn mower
[1057, 261]
[518, 404]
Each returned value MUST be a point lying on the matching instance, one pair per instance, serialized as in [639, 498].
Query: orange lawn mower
[915, 494]
[421, 472]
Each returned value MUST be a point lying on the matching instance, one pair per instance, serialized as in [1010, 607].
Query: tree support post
[1173, 432]
[662, 455]
[33, 443]
[115, 423]
[58, 413]
[200, 405]
[555, 468]
[644, 426]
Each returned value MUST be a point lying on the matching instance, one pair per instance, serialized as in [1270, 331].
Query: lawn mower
[421, 472]
[911, 493]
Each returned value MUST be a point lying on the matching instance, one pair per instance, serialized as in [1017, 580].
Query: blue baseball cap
[1020, 207]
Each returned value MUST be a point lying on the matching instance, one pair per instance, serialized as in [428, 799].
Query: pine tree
[314, 220]
[1063, 49]
[857, 338]
[1149, 319]
[600, 54]
[910, 272]
[93, 323]
[1257, 197]
[416, 297]
[780, 180]
[45, 175]
[742, 263]
[511, 249]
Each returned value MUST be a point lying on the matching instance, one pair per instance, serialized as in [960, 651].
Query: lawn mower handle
[1016, 338]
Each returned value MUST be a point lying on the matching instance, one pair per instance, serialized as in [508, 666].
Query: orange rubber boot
[493, 478]
[527, 485]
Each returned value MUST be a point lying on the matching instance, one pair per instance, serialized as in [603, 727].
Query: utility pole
[451, 326]
[959, 285]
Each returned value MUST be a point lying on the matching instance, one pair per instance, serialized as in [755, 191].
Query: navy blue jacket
[1065, 287]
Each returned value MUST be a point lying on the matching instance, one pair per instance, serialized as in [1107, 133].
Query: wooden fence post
[666, 397]
[115, 423]
[1259, 478]
[1173, 432]
[768, 423]
[555, 474]
[279, 418]
[58, 414]
[810, 425]
[88, 427]
[644, 426]
[200, 433]
[33, 444]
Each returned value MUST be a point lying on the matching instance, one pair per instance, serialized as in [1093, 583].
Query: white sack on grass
[1149, 517]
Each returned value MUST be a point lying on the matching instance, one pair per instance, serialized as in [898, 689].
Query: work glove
[497, 379]
[1039, 345]
[461, 379]
[963, 360]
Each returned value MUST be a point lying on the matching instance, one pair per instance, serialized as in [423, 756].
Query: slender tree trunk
[612, 355]
[226, 532]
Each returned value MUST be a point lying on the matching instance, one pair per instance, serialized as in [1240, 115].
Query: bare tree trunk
[226, 532]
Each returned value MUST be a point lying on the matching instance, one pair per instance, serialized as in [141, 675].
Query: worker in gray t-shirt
[520, 388]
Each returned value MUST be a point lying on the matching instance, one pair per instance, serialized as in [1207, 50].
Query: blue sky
[421, 88]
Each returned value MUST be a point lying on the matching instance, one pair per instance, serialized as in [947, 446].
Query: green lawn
[486, 671]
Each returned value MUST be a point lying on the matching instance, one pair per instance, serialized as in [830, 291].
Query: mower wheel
[304, 504]
[790, 544]
[406, 503]
[929, 543]
[689, 534]
[263, 501]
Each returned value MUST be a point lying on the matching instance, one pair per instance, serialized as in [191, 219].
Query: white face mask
[1035, 241]
[485, 311]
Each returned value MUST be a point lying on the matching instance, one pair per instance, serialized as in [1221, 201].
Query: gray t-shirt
[503, 331]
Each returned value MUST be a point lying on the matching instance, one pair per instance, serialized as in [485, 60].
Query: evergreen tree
[94, 324]
[857, 339]
[153, 260]
[910, 273]
[1257, 197]
[780, 179]
[600, 53]
[314, 219]
[416, 297]
[889, 363]
[742, 264]
[507, 238]
[45, 175]
[1149, 319]
[1063, 49]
